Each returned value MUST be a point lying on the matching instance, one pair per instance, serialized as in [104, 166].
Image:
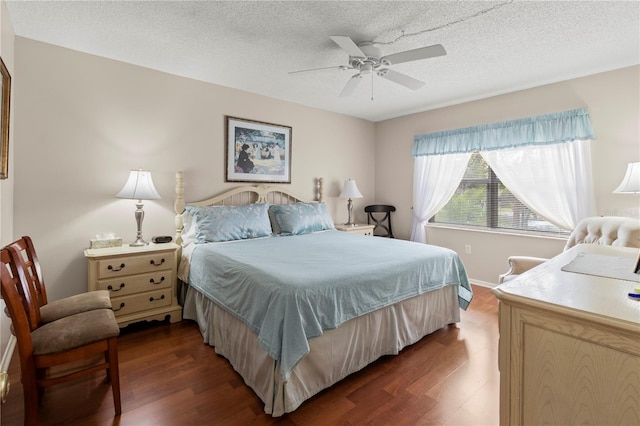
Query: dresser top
[591, 294]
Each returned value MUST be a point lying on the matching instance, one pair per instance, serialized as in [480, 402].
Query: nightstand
[363, 229]
[142, 281]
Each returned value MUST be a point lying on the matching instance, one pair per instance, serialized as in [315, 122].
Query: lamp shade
[139, 186]
[350, 190]
[631, 181]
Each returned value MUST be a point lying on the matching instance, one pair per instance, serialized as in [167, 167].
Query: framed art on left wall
[257, 151]
[4, 120]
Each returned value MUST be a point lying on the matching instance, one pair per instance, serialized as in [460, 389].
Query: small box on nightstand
[106, 243]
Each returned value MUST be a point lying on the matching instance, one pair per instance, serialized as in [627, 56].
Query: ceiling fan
[366, 59]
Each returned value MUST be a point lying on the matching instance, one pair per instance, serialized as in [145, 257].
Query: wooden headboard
[240, 196]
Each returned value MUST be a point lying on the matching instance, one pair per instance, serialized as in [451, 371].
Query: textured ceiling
[493, 47]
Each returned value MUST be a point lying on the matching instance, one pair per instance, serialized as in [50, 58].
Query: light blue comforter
[290, 289]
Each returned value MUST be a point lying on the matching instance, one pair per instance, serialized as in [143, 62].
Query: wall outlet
[467, 248]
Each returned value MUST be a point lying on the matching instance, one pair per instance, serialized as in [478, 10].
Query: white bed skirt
[333, 356]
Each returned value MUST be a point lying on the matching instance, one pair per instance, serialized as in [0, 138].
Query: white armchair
[608, 230]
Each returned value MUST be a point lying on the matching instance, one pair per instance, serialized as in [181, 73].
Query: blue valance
[541, 130]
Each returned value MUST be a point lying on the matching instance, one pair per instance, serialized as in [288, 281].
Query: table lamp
[631, 181]
[350, 190]
[139, 187]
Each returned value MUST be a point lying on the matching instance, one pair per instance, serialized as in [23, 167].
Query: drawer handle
[152, 299]
[110, 288]
[121, 306]
[153, 280]
[156, 264]
[112, 269]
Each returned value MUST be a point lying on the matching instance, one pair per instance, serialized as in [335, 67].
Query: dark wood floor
[169, 377]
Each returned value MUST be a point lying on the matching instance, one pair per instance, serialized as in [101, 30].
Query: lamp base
[350, 211]
[139, 243]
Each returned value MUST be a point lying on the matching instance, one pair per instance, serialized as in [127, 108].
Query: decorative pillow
[302, 218]
[227, 223]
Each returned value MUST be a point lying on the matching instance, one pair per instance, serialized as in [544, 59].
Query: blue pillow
[302, 218]
[227, 223]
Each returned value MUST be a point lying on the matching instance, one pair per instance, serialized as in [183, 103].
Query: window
[482, 200]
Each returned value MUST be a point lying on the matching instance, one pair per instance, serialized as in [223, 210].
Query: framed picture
[4, 120]
[257, 151]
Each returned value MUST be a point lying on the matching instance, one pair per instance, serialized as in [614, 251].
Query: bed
[295, 305]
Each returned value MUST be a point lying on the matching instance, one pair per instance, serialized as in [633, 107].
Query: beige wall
[614, 104]
[7, 37]
[84, 121]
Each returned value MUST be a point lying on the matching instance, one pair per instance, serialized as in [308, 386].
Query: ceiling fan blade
[348, 45]
[416, 54]
[351, 85]
[339, 67]
[401, 79]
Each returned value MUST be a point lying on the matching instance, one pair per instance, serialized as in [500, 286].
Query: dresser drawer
[131, 284]
[119, 266]
[141, 302]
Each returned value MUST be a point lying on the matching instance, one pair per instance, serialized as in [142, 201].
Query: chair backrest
[24, 248]
[607, 230]
[13, 262]
[18, 305]
[380, 215]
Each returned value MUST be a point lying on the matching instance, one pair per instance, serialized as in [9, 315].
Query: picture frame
[5, 103]
[256, 151]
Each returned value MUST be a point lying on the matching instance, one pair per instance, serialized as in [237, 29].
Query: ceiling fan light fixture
[366, 59]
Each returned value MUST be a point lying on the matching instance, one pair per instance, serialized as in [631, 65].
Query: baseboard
[482, 283]
[4, 368]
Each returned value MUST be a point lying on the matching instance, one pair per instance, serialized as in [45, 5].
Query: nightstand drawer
[137, 283]
[118, 266]
[140, 302]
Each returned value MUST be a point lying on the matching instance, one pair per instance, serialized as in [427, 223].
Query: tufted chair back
[608, 230]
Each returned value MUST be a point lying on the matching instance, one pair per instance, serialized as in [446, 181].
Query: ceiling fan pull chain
[372, 86]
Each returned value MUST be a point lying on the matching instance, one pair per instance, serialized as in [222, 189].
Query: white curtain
[552, 180]
[435, 180]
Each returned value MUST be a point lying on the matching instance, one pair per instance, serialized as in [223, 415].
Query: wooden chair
[64, 341]
[51, 311]
[382, 223]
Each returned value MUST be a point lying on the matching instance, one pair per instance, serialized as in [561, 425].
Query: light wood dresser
[142, 281]
[569, 348]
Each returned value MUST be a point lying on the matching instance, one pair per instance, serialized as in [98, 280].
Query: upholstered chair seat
[76, 304]
[74, 331]
[609, 230]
